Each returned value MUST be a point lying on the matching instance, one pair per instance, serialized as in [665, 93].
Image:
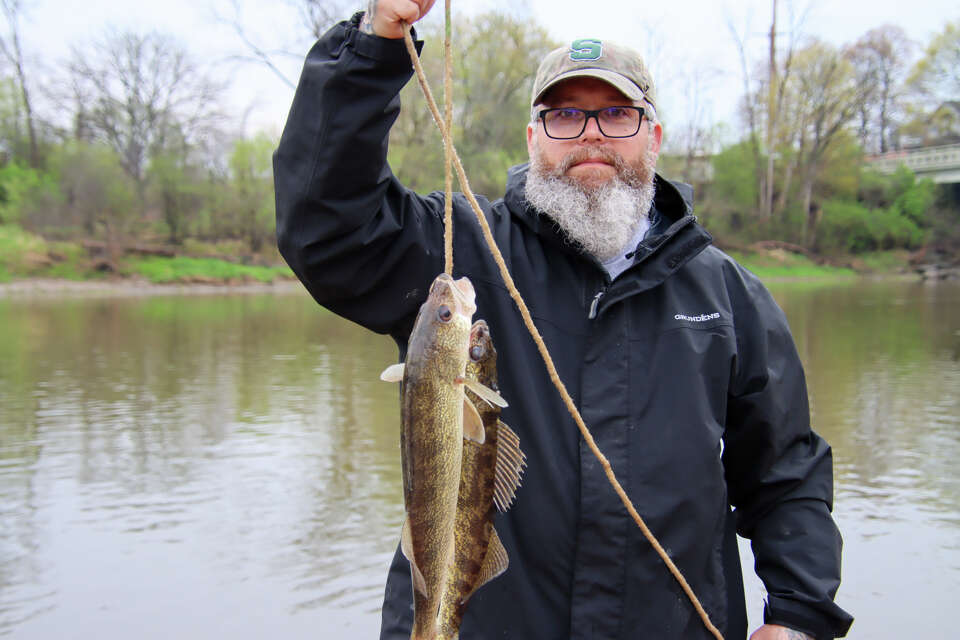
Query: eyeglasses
[566, 123]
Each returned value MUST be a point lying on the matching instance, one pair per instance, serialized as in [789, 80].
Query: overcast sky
[682, 39]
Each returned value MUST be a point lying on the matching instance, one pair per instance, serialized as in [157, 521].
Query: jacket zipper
[595, 303]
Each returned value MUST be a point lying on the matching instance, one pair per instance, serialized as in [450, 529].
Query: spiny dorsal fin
[494, 563]
[472, 423]
[393, 373]
[485, 392]
[406, 546]
[510, 463]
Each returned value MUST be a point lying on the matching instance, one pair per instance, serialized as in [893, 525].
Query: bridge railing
[927, 160]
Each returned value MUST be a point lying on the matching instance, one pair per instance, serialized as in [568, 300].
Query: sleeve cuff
[387, 50]
[795, 615]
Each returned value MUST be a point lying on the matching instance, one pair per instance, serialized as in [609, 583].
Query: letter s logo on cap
[586, 49]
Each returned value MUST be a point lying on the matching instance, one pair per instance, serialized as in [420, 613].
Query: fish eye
[444, 313]
[476, 352]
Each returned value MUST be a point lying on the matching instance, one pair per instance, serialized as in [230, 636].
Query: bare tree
[936, 76]
[316, 16]
[825, 90]
[12, 50]
[764, 105]
[691, 136]
[934, 85]
[879, 59]
[146, 92]
[320, 15]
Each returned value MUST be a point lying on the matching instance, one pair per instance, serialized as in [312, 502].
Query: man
[681, 363]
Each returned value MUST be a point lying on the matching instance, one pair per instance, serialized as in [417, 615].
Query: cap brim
[621, 83]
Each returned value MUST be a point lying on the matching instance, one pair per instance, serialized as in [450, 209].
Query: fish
[435, 419]
[489, 477]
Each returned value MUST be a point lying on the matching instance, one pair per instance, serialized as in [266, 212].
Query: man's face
[588, 155]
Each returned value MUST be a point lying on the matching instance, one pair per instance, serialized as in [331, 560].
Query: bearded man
[681, 363]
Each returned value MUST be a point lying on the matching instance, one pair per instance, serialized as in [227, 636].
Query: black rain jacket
[683, 368]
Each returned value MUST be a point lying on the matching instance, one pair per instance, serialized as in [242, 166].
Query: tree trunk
[31, 129]
[14, 54]
[809, 222]
[785, 190]
[771, 117]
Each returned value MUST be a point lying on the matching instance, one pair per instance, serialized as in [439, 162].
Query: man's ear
[657, 138]
[530, 133]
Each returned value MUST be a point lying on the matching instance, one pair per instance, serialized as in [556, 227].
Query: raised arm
[364, 246]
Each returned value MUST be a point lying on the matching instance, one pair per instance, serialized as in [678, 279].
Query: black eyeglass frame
[590, 113]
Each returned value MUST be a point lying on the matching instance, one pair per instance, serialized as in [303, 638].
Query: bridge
[940, 164]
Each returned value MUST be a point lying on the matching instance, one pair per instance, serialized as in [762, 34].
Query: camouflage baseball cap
[615, 64]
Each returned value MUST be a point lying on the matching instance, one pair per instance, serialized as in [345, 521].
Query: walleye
[436, 417]
[489, 476]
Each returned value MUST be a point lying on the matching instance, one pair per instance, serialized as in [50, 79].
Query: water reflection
[205, 466]
[234, 451]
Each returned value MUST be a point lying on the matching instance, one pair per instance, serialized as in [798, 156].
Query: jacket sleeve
[779, 472]
[363, 245]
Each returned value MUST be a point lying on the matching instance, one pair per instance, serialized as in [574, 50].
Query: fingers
[408, 11]
[425, 6]
[386, 17]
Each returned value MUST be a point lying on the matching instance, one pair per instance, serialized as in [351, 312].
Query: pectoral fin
[472, 423]
[510, 463]
[393, 373]
[485, 392]
[406, 546]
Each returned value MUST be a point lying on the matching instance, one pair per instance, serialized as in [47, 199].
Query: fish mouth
[461, 293]
[479, 330]
[481, 344]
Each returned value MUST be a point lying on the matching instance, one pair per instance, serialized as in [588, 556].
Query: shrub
[845, 227]
[853, 228]
[24, 190]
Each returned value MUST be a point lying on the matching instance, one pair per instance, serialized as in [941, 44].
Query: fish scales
[432, 441]
[487, 470]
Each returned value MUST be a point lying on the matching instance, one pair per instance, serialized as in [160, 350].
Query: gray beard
[600, 220]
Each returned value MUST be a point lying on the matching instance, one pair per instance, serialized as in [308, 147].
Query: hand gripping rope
[453, 159]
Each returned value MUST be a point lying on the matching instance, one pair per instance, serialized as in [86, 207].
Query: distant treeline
[138, 151]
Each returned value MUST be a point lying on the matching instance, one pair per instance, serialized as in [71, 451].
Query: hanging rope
[451, 155]
[447, 143]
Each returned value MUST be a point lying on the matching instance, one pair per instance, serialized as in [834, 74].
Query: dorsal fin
[510, 463]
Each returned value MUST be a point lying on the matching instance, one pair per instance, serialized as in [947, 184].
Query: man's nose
[591, 132]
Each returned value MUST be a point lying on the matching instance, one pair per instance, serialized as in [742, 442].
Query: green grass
[16, 244]
[184, 269]
[25, 255]
[782, 264]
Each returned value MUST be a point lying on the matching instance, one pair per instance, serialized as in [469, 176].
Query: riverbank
[28, 257]
[30, 265]
[122, 287]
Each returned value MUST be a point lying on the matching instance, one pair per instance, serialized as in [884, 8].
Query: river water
[228, 465]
